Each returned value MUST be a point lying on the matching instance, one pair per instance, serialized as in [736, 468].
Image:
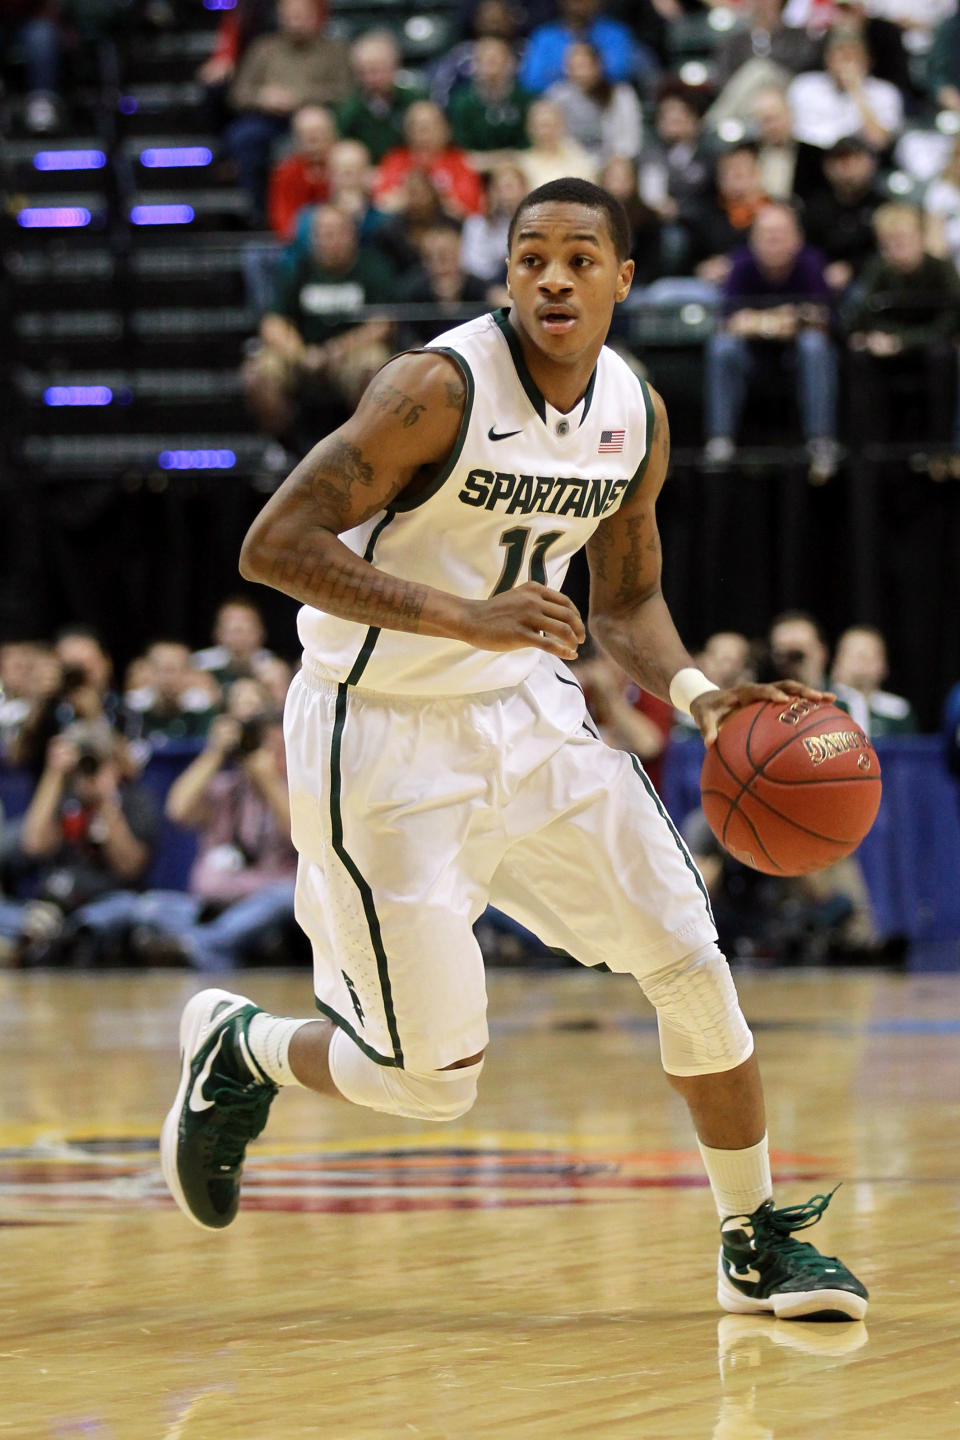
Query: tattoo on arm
[337, 585]
[393, 401]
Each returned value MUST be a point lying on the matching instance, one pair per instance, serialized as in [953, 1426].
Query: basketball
[789, 788]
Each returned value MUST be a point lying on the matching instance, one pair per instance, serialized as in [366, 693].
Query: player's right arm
[403, 429]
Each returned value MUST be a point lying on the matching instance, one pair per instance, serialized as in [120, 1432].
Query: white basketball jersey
[524, 488]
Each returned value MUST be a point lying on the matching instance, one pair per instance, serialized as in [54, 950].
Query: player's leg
[605, 876]
[397, 968]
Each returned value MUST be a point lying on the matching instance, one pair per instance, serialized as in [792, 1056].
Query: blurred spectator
[673, 167]
[236, 30]
[89, 830]
[859, 669]
[496, 18]
[619, 176]
[904, 325]
[839, 217]
[719, 223]
[316, 359]
[777, 310]
[941, 202]
[883, 39]
[29, 675]
[762, 54]
[943, 64]
[238, 649]
[546, 49]
[428, 148]
[788, 167]
[374, 111]
[420, 207]
[727, 659]
[241, 887]
[488, 114]
[484, 237]
[552, 153]
[298, 65]
[627, 717]
[34, 26]
[351, 180]
[177, 701]
[796, 650]
[302, 177]
[603, 117]
[440, 279]
[845, 99]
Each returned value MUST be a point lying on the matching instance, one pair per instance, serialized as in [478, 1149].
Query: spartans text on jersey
[541, 494]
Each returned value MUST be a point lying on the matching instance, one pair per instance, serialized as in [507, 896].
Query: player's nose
[555, 279]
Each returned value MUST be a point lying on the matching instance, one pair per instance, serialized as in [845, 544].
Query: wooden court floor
[544, 1269]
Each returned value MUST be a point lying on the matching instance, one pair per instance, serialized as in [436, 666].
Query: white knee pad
[429, 1095]
[702, 1029]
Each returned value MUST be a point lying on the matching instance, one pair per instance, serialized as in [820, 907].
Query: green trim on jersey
[588, 393]
[641, 470]
[446, 470]
[688, 858]
[360, 1043]
[346, 860]
[336, 823]
[530, 386]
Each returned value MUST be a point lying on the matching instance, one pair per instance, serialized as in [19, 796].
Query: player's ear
[624, 279]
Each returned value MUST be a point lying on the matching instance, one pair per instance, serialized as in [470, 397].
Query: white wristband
[688, 685]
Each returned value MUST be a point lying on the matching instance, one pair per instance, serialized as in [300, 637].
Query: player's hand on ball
[711, 709]
[529, 614]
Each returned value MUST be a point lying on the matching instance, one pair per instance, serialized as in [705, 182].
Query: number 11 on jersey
[514, 543]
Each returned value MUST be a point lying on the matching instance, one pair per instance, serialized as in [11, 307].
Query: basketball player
[440, 755]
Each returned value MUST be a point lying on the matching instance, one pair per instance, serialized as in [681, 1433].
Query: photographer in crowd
[90, 831]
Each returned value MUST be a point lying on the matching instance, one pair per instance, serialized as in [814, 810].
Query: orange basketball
[790, 787]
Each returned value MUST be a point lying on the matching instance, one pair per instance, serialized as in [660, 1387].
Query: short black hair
[569, 190]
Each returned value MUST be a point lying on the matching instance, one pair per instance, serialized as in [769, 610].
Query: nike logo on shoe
[198, 1101]
[492, 434]
[748, 1274]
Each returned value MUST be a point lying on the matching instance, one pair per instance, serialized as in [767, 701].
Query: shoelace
[240, 1114]
[775, 1228]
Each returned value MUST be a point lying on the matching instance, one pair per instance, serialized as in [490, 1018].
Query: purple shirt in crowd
[748, 288]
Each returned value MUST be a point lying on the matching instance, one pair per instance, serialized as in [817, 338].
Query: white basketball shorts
[411, 815]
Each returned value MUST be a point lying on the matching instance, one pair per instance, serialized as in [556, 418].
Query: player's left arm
[628, 614]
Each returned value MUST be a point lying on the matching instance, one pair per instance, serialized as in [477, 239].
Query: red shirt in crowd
[295, 182]
[457, 183]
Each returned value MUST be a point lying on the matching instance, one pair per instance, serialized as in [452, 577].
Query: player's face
[564, 278]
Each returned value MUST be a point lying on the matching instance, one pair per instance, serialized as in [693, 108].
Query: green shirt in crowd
[480, 124]
[323, 303]
[378, 124]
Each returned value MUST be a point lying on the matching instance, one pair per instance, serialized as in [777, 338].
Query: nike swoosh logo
[747, 1274]
[492, 434]
[203, 1104]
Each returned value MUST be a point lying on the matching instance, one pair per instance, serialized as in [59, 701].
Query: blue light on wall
[53, 217]
[219, 4]
[127, 105]
[196, 459]
[77, 395]
[161, 214]
[175, 156]
[69, 160]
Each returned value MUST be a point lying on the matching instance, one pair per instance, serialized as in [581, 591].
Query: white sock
[740, 1179]
[269, 1038]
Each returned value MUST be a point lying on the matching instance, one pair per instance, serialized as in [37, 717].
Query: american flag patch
[611, 442]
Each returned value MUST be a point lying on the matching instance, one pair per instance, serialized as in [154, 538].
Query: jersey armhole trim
[400, 505]
[641, 470]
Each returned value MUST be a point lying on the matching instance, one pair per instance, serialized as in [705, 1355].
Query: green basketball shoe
[221, 1105]
[762, 1268]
